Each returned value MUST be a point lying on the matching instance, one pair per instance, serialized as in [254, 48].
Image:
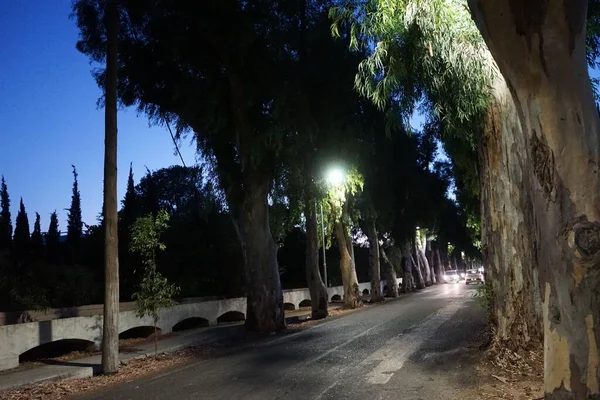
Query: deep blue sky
[49, 118]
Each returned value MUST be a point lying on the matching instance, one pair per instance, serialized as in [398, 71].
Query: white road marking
[391, 357]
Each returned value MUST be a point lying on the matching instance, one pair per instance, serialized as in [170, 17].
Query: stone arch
[141, 331]
[336, 297]
[56, 348]
[305, 303]
[231, 316]
[289, 306]
[190, 323]
[365, 292]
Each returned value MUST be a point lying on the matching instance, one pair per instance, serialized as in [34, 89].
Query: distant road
[417, 347]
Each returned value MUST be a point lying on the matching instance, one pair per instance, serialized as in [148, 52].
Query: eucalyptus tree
[521, 113]
[431, 52]
[216, 70]
[384, 147]
[342, 199]
[319, 120]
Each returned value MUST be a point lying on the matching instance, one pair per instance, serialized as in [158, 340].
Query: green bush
[484, 295]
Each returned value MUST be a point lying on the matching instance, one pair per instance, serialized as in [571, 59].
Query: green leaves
[145, 236]
[154, 292]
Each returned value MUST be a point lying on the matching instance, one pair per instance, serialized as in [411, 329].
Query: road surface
[416, 347]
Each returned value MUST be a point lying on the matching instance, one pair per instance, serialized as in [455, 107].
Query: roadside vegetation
[303, 127]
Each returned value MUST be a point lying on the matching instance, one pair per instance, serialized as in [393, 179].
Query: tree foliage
[37, 243]
[21, 239]
[53, 240]
[155, 292]
[145, 236]
[5, 218]
[74, 220]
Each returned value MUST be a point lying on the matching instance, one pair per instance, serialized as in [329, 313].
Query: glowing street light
[336, 176]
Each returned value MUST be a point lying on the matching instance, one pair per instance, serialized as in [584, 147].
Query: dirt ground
[508, 375]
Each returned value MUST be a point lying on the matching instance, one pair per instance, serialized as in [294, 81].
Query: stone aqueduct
[85, 323]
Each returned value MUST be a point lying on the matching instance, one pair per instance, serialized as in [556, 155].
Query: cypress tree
[53, 240]
[127, 216]
[21, 240]
[74, 221]
[5, 219]
[149, 200]
[37, 244]
[129, 203]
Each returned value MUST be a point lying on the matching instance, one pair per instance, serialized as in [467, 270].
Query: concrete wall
[85, 323]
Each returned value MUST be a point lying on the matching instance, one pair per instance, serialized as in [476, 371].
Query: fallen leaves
[135, 369]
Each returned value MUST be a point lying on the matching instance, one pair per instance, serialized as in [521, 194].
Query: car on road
[474, 276]
[451, 276]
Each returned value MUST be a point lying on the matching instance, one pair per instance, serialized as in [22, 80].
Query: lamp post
[324, 254]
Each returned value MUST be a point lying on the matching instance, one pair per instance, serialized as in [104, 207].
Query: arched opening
[289, 307]
[190, 323]
[56, 349]
[305, 303]
[139, 332]
[336, 297]
[366, 292]
[231, 316]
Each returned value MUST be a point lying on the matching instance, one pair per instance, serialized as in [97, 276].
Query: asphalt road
[417, 347]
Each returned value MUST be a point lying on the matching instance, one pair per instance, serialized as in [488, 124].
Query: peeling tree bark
[432, 265]
[439, 267]
[391, 278]
[347, 267]
[539, 47]
[318, 292]
[416, 270]
[376, 295]
[422, 260]
[265, 297]
[508, 244]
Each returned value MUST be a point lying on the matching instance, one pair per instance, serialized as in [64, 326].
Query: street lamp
[336, 176]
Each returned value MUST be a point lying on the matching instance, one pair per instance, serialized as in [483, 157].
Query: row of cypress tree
[24, 245]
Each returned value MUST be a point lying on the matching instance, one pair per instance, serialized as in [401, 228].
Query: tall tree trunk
[422, 273]
[376, 295]
[390, 276]
[421, 247]
[407, 271]
[431, 261]
[508, 244]
[439, 266]
[110, 329]
[422, 260]
[347, 267]
[448, 261]
[425, 267]
[265, 297]
[318, 292]
[540, 49]
[419, 281]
